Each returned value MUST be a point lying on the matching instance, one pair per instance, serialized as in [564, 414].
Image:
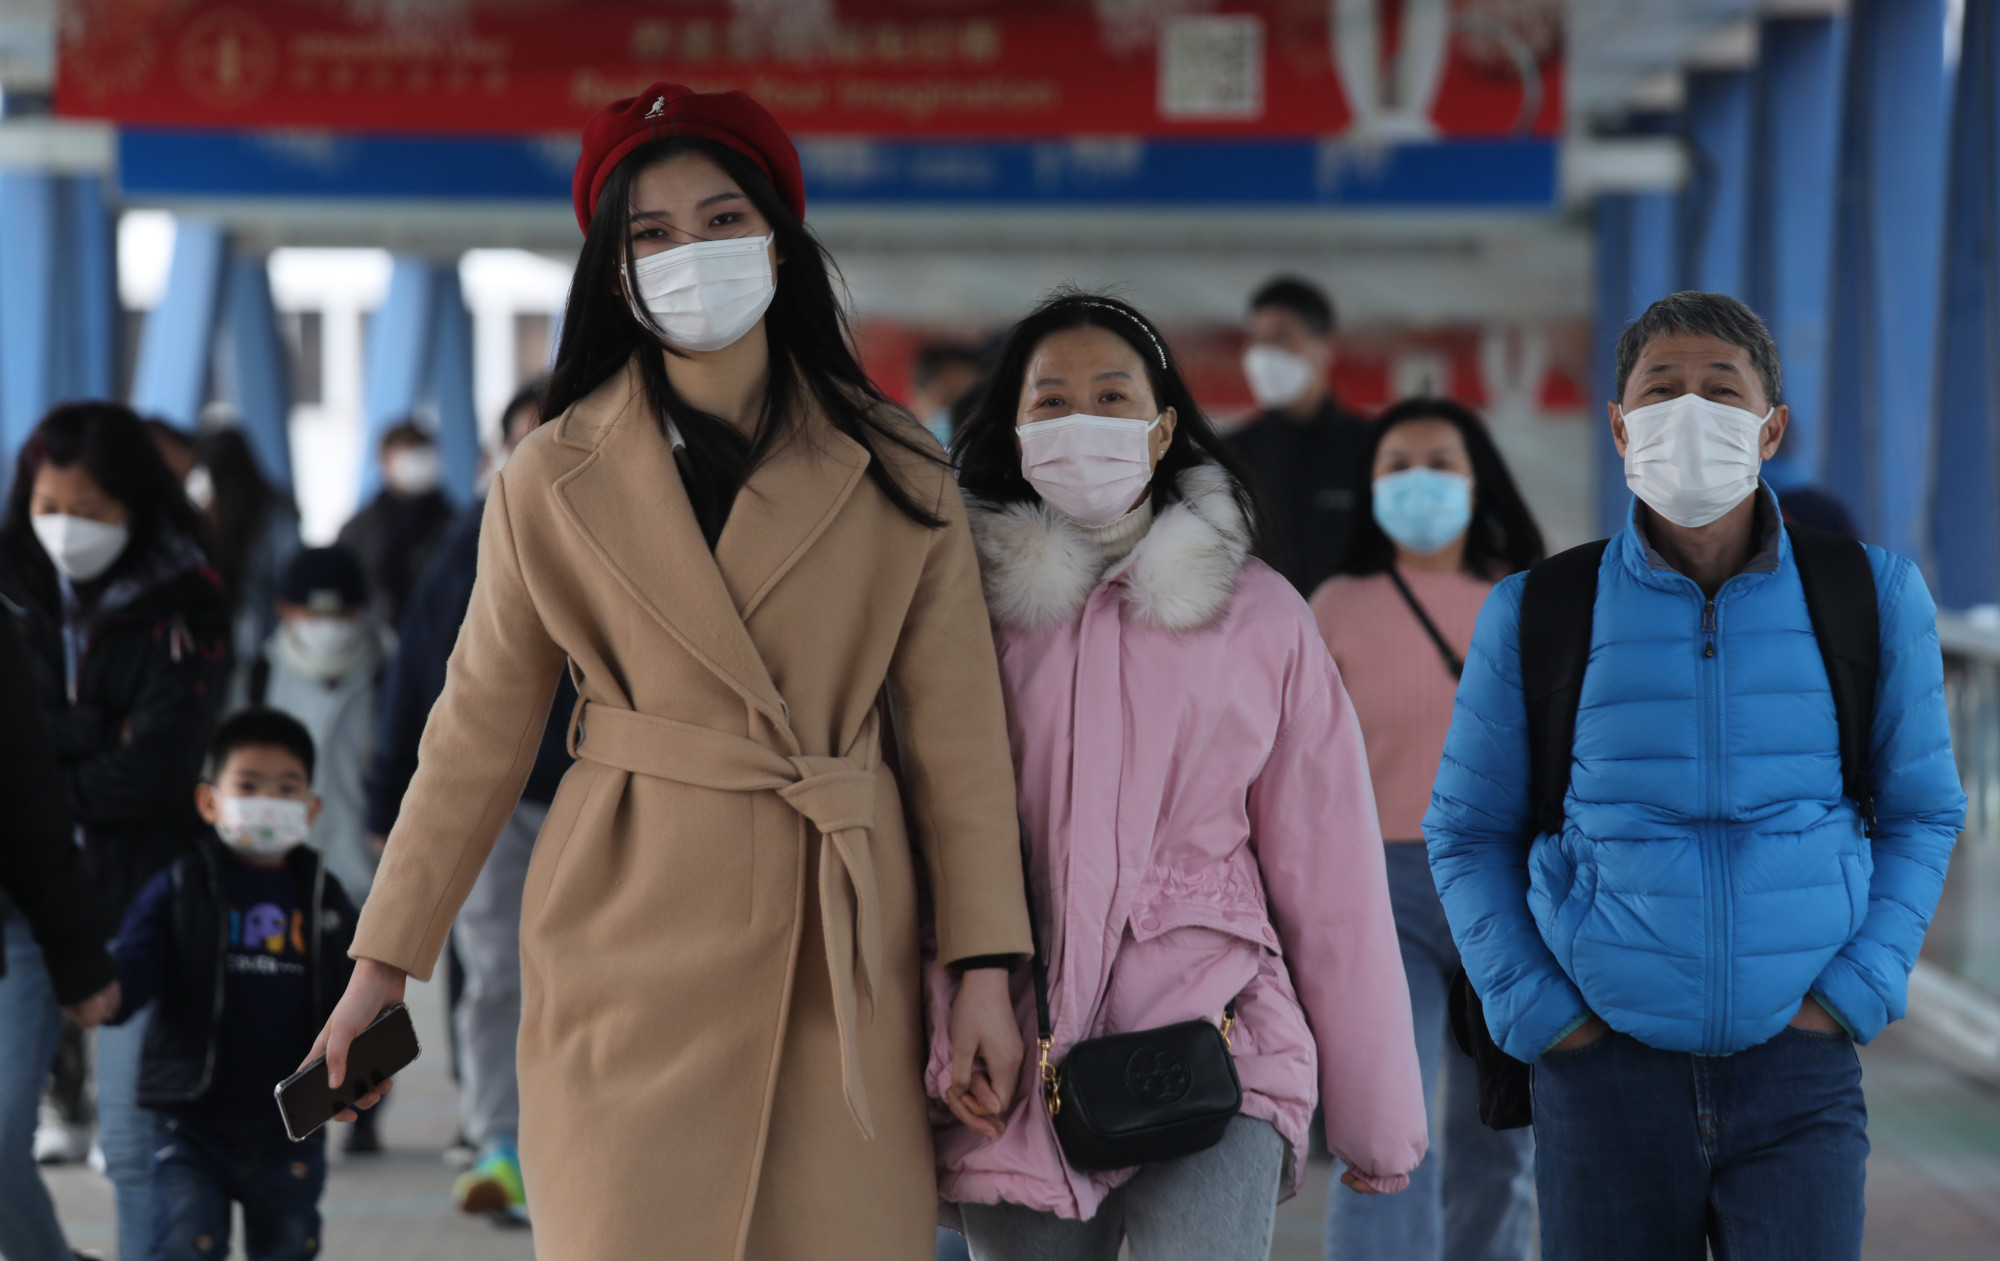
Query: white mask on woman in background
[704, 295]
[413, 470]
[80, 548]
[1278, 378]
[1092, 469]
[1692, 459]
[200, 487]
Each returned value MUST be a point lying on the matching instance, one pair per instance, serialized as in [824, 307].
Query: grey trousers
[487, 936]
[1216, 1205]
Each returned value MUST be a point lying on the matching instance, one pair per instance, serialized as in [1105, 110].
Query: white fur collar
[1039, 567]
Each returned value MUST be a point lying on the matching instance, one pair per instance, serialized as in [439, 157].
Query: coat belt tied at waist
[836, 795]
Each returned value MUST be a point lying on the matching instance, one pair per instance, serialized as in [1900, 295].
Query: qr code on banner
[1212, 67]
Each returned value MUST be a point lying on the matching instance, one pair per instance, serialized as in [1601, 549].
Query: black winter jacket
[152, 657]
[424, 641]
[1311, 477]
[174, 946]
[42, 872]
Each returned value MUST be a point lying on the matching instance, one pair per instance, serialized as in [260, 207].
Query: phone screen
[378, 1053]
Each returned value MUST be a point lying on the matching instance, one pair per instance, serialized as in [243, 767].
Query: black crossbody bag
[1135, 1098]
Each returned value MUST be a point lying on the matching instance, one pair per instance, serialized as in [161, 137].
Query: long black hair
[988, 454]
[812, 352]
[244, 503]
[111, 443]
[1502, 537]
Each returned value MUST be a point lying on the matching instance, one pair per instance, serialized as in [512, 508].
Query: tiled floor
[1933, 1182]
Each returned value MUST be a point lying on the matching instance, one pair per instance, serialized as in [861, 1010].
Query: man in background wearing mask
[395, 534]
[483, 961]
[1306, 454]
[1689, 960]
[942, 374]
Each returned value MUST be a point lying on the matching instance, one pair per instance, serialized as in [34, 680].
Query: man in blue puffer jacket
[1689, 961]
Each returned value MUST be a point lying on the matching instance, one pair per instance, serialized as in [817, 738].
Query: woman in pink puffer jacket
[1197, 800]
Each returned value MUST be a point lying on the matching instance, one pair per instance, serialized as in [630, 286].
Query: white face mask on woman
[704, 295]
[1092, 469]
[1692, 459]
[81, 548]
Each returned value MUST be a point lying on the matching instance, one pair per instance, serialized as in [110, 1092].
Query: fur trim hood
[1039, 567]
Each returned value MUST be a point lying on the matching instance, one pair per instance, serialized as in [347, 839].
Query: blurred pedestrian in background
[101, 564]
[1305, 454]
[1203, 839]
[244, 944]
[1438, 524]
[1687, 914]
[396, 532]
[728, 524]
[485, 947]
[323, 666]
[942, 374]
[53, 963]
[253, 532]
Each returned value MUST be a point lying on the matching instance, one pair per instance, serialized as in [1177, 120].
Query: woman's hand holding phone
[985, 1052]
[374, 988]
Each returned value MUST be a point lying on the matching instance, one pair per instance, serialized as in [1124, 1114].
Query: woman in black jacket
[102, 568]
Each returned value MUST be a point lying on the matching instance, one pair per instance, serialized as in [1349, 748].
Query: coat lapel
[627, 499]
[786, 505]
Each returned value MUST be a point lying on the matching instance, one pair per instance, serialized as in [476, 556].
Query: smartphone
[378, 1053]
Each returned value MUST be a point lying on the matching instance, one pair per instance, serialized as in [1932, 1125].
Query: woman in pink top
[1196, 797]
[1439, 525]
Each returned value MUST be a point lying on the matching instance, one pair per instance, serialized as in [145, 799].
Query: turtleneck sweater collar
[1116, 540]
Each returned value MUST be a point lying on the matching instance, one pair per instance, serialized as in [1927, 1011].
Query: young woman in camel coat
[755, 570]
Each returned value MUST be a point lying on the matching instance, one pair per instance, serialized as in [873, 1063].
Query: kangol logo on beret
[666, 110]
[659, 107]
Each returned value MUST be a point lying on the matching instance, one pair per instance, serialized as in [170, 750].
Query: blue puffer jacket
[1710, 874]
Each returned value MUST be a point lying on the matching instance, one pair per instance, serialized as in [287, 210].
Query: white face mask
[81, 548]
[331, 643]
[1691, 459]
[704, 295]
[1278, 378]
[264, 826]
[413, 470]
[200, 486]
[1092, 469]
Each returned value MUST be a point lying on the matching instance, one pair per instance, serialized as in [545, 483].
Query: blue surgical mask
[1423, 509]
[939, 423]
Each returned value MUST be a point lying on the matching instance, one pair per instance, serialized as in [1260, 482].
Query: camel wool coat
[721, 1047]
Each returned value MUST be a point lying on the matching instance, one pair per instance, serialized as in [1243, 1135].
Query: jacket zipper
[221, 972]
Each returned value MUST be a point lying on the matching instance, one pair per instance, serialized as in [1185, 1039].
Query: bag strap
[1840, 596]
[1558, 607]
[1452, 661]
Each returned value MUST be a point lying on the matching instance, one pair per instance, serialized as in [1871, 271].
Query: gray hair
[1714, 315]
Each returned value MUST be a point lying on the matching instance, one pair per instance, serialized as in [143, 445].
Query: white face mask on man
[1692, 459]
[415, 470]
[704, 295]
[1277, 377]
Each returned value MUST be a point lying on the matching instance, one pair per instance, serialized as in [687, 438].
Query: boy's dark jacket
[174, 945]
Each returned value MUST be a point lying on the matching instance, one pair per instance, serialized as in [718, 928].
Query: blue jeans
[1473, 1197]
[1649, 1155]
[196, 1177]
[30, 1022]
[125, 1131]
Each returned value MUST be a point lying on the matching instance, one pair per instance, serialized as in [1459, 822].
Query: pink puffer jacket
[1192, 777]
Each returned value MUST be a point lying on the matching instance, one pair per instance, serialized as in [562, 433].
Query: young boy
[244, 944]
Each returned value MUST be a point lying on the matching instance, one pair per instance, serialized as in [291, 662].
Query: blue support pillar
[1638, 262]
[1791, 222]
[30, 211]
[1887, 259]
[258, 383]
[1964, 530]
[1716, 207]
[451, 388]
[171, 381]
[397, 354]
[87, 353]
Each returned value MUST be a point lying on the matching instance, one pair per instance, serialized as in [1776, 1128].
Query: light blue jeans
[125, 1132]
[30, 1022]
[1473, 1198]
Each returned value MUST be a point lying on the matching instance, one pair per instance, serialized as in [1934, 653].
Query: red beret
[668, 109]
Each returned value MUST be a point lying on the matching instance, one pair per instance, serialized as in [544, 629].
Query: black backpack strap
[1840, 595]
[1558, 606]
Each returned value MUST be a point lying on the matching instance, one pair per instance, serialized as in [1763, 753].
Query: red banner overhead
[1400, 70]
